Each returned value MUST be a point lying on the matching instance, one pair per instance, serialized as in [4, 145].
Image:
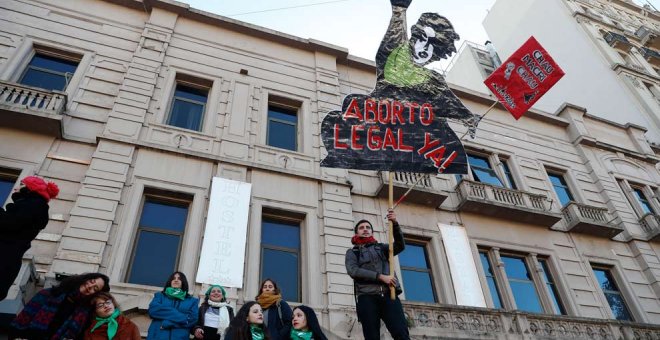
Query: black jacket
[200, 320]
[20, 222]
[365, 262]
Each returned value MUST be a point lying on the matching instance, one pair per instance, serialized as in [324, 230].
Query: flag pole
[391, 232]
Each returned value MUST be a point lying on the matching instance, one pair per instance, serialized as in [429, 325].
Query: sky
[357, 25]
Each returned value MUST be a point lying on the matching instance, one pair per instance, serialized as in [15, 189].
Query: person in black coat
[215, 314]
[277, 313]
[20, 222]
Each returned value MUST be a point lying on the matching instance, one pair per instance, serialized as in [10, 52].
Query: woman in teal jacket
[173, 311]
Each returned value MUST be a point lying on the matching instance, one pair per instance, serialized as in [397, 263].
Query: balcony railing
[651, 225]
[31, 108]
[582, 218]
[617, 40]
[460, 322]
[425, 192]
[650, 55]
[501, 202]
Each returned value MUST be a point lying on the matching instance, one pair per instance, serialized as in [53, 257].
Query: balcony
[581, 218]
[648, 37]
[618, 41]
[31, 109]
[506, 203]
[434, 321]
[652, 56]
[651, 224]
[425, 192]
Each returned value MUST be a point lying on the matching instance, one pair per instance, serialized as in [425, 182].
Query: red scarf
[357, 240]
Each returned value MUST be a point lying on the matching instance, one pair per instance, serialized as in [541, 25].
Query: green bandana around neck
[257, 332]
[300, 335]
[111, 321]
[175, 293]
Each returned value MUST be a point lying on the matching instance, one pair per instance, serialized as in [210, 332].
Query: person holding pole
[368, 264]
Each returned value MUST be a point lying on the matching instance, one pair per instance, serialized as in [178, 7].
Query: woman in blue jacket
[173, 311]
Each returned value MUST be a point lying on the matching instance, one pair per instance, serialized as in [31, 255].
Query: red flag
[523, 78]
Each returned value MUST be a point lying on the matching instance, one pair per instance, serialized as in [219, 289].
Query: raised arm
[395, 36]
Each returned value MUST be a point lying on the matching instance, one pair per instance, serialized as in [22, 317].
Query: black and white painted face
[422, 48]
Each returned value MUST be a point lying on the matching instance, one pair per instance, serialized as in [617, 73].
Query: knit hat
[45, 189]
[222, 289]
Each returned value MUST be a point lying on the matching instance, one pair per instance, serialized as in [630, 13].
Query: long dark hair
[312, 322]
[239, 328]
[73, 283]
[261, 287]
[182, 277]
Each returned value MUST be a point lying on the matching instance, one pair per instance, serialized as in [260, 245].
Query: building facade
[133, 107]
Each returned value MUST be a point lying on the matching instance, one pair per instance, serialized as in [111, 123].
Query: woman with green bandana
[108, 322]
[214, 315]
[248, 324]
[173, 311]
[306, 325]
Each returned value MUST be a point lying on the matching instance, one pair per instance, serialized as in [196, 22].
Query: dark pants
[372, 308]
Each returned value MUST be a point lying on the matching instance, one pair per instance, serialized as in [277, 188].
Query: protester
[20, 222]
[215, 314]
[248, 324]
[107, 321]
[59, 312]
[306, 325]
[173, 311]
[277, 313]
[368, 264]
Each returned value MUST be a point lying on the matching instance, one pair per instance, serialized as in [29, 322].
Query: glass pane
[282, 267]
[509, 175]
[44, 80]
[164, 216]
[281, 114]
[5, 189]
[281, 234]
[186, 115]
[561, 189]
[154, 259]
[482, 171]
[516, 268]
[490, 279]
[478, 162]
[552, 289]
[414, 257]
[643, 202]
[281, 135]
[605, 280]
[525, 295]
[191, 93]
[420, 286]
[618, 306]
[54, 64]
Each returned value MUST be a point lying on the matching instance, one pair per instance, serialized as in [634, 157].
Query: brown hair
[105, 296]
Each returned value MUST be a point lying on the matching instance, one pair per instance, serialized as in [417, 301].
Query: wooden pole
[391, 233]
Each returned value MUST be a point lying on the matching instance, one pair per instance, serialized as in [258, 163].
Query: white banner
[223, 251]
[462, 266]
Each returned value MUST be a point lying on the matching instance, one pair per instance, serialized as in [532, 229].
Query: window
[612, 293]
[49, 72]
[490, 279]
[417, 278]
[188, 106]
[522, 284]
[517, 282]
[158, 241]
[7, 181]
[643, 201]
[552, 288]
[280, 255]
[482, 171]
[561, 188]
[282, 128]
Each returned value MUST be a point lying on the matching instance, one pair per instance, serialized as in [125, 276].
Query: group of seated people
[81, 307]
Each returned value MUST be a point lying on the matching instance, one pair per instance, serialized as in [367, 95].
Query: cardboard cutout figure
[403, 124]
